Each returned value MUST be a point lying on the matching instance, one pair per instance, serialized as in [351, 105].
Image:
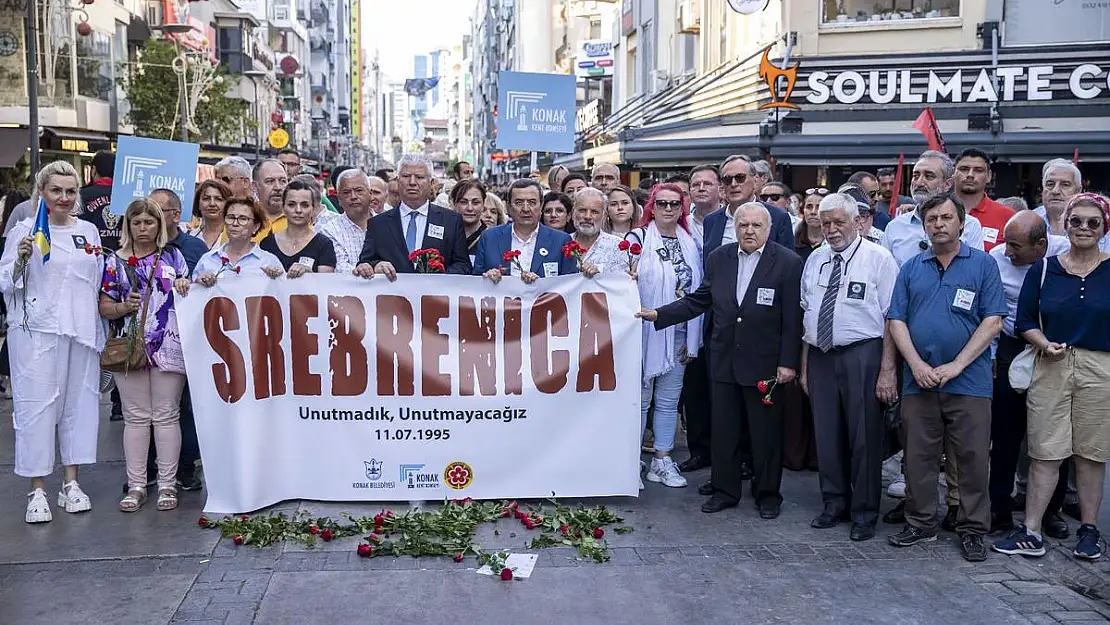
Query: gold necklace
[1086, 270]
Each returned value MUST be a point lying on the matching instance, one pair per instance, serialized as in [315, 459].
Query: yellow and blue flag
[40, 232]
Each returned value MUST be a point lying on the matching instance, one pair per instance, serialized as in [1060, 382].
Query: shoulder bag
[123, 354]
[1021, 369]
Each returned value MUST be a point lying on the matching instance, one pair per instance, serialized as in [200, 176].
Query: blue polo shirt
[943, 308]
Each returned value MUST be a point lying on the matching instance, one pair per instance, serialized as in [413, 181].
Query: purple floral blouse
[118, 284]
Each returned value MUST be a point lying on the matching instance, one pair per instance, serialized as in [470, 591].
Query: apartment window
[94, 66]
[855, 11]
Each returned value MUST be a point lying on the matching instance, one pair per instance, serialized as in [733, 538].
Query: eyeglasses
[238, 219]
[668, 204]
[818, 191]
[737, 178]
[874, 194]
[229, 179]
[770, 197]
[1090, 223]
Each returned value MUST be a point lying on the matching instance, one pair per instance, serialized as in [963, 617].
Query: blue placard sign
[143, 165]
[536, 112]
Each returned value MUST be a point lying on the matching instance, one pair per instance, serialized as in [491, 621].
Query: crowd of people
[823, 330]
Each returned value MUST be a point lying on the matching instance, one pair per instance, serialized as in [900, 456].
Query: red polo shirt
[993, 216]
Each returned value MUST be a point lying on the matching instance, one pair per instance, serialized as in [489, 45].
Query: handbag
[123, 354]
[1021, 369]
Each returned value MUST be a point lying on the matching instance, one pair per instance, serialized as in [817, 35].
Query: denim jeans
[666, 389]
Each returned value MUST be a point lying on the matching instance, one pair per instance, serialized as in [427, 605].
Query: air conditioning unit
[689, 16]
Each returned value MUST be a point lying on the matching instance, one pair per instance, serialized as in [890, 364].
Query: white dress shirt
[527, 249]
[421, 221]
[253, 261]
[1013, 276]
[745, 270]
[729, 235]
[867, 276]
[347, 238]
[905, 234]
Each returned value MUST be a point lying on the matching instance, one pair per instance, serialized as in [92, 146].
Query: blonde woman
[54, 343]
[624, 213]
[493, 212]
[138, 287]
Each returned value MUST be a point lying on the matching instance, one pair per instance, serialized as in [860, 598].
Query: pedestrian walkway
[678, 566]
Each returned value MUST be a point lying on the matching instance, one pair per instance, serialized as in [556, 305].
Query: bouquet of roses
[513, 256]
[632, 249]
[427, 260]
[574, 250]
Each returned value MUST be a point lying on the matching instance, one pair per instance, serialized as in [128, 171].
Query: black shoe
[189, 482]
[718, 502]
[975, 550]
[1054, 526]
[827, 519]
[693, 463]
[116, 416]
[861, 533]
[1002, 523]
[1018, 501]
[706, 489]
[1072, 510]
[770, 510]
[910, 536]
[746, 472]
[897, 514]
[949, 522]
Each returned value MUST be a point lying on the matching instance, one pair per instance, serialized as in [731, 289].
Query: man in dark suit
[540, 247]
[738, 187]
[414, 224]
[753, 287]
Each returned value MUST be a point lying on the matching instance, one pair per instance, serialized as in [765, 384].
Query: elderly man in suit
[753, 287]
[414, 224]
[540, 247]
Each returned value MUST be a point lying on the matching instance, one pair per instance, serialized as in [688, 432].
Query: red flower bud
[244, 518]
[761, 386]
[379, 519]
[313, 530]
[238, 540]
[326, 535]
[767, 401]
[374, 538]
[238, 269]
[624, 245]
[635, 249]
[202, 521]
[598, 533]
[467, 500]
[506, 513]
[458, 557]
[389, 514]
[513, 504]
[563, 529]
[506, 574]
[365, 551]
[132, 261]
[529, 524]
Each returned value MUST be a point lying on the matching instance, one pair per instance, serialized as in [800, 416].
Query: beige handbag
[123, 354]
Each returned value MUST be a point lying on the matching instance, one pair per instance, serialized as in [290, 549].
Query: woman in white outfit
[668, 268]
[54, 340]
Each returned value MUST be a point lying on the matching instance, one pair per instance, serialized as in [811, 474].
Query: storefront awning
[67, 133]
[14, 143]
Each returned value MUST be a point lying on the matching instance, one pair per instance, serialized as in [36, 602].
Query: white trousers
[55, 386]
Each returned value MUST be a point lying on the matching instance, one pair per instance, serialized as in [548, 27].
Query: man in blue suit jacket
[414, 224]
[541, 248]
[739, 188]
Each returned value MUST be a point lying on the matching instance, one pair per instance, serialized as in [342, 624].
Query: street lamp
[255, 75]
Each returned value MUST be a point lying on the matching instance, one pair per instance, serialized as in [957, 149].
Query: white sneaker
[641, 483]
[73, 499]
[897, 488]
[665, 471]
[38, 508]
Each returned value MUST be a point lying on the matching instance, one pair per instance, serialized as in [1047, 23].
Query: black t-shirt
[319, 251]
[96, 200]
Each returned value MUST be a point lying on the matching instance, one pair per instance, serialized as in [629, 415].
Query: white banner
[336, 388]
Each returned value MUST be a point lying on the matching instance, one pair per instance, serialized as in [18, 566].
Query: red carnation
[365, 551]
[467, 500]
[379, 519]
[635, 249]
[238, 540]
[458, 557]
[313, 530]
[202, 521]
[389, 514]
[238, 269]
[88, 248]
[761, 386]
[414, 255]
[506, 574]
[624, 245]
[506, 513]
[111, 271]
[224, 260]
[132, 261]
[326, 535]
[244, 518]
[563, 529]
[374, 538]
[598, 533]
[767, 401]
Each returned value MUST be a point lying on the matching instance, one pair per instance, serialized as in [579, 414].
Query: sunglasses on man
[735, 178]
[771, 197]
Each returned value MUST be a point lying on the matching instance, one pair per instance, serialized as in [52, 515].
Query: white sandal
[38, 508]
[73, 499]
[131, 502]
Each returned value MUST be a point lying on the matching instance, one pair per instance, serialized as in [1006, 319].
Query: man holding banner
[525, 247]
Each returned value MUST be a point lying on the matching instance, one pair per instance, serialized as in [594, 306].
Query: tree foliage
[151, 86]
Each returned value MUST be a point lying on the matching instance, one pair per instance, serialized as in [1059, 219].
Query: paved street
[679, 566]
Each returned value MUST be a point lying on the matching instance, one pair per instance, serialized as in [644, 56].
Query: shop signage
[914, 86]
[539, 112]
[595, 59]
[628, 22]
[589, 116]
[143, 165]
[75, 145]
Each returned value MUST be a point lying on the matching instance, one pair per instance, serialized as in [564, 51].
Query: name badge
[307, 261]
[168, 272]
[550, 270]
[435, 231]
[765, 297]
[990, 235]
[856, 290]
[964, 299]
[79, 240]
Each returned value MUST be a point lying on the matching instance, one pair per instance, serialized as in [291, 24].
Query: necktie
[828, 303]
[410, 232]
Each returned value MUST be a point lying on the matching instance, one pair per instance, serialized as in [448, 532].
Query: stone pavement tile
[1031, 588]
[95, 599]
[104, 532]
[686, 592]
[1082, 615]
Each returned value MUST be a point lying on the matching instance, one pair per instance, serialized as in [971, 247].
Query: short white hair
[590, 192]
[593, 172]
[412, 158]
[350, 173]
[839, 201]
[238, 163]
[754, 206]
[763, 168]
[947, 165]
[1065, 164]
